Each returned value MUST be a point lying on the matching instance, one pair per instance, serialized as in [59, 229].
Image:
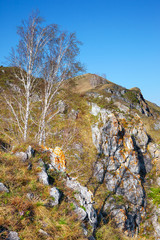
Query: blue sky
[121, 38]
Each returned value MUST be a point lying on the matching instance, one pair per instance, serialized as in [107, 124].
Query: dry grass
[149, 125]
[27, 217]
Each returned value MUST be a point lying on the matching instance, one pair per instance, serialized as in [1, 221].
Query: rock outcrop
[24, 156]
[133, 98]
[58, 160]
[84, 197]
[122, 165]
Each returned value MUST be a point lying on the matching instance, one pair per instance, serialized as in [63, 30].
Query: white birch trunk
[42, 132]
[42, 124]
[26, 117]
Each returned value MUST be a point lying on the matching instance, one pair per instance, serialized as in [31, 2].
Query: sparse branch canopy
[43, 52]
[60, 64]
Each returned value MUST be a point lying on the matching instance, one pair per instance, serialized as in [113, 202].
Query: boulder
[43, 232]
[13, 236]
[58, 160]
[22, 156]
[3, 188]
[73, 114]
[43, 176]
[30, 152]
[55, 193]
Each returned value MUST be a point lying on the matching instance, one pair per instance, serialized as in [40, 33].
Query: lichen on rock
[58, 159]
[123, 167]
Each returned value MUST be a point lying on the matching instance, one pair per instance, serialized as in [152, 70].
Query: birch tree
[60, 64]
[27, 60]
[47, 54]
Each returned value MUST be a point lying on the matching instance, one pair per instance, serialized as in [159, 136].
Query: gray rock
[30, 152]
[92, 215]
[62, 107]
[3, 188]
[85, 231]
[93, 94]
[43, 232]
[30, 196]
[99, 171]
[55, 193]
[122, 107]
[103, 113]
[123, 92]
[22, 156]
[54, 164]
[108, 99]
[14, 87]
[152, 149]
[84, 196]
[73, 114]
[43, 176]
[157, 125]
[108, 90]
[80, 212]
[95, 110]
[148, 163]
[96, 137]
[13, 236]
[123, 166]
[119, 216]
[142, 139]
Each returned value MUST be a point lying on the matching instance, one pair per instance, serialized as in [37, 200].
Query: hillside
[98, 175]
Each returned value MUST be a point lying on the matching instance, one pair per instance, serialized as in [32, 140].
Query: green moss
[62, 221]
[119, 199]
[38, 204]
[72, 206]
[131, 96]
[83, 208]
[154, 194]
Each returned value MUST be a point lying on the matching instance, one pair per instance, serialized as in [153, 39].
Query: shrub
[131, 96]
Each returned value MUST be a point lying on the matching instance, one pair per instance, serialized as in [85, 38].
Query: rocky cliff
[102, 182]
